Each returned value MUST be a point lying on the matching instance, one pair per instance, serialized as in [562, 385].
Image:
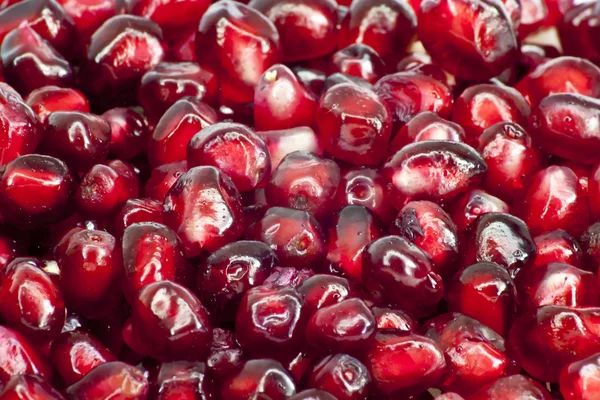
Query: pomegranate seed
[288, 276]
[558, 246]
[324, 290]
[577, 27]
[182, 380]
[313, 394]
[394, 319]
[283, 142]
[30, 387]
[111, 379]
[426, 126]
[225, 353]
[510, 387]
[18, 357]
[162, 178]
[48, 99]
[342, 375]
[578, 379]
[135, 211]
[128, 132]
[358, 60]
[89, 15]
[258, 379]
[473, 204]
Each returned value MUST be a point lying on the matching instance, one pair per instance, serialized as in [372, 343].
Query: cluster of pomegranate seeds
[299, 200]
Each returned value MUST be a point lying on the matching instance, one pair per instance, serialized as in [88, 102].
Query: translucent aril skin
[468, 52]
[110, 379]
[358, 60]
[183, 379]
[30, 386]
[577, 27]
[128, 132]
[283, 142]
[258, 378]
[136, 211]
[426, 126]
[579, 378]
[465, 209]
[511, 386]
[342, 375]
[558, 246]
[323, 290]
[45, 100]
[162, 178]
[19, 356]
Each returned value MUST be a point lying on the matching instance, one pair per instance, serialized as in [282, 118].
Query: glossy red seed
[30, 301]
[397, 271]
[21, 132]
[225, 354]
[90, 263]
[579, 379]
[170, 322]
[288, 276]
[418, 362]
[74, 354]
[502, 239]
[358, 60]
[557, 284]
[386, 26]
[354, 124]
[560, 124]
[394, 319]
[511, 386]
[270, 320]
[281, 101]
[128, 132]
[176, 128]
[533, 16]
[486, 292]
[230, 272]
[204, 208]
[168, 82]
[49, 99]
[551, 337]
[472, 39]
[30, 62]
[152, 253]
[472, 204]
[313, 394]
[337, 78]
[475, 354]
[429, 227]
[324, 290]
[112, 379]
[304, 181]
[162, 178]
[283, 142]
[136, 211]
[88, 15]
[342, 375]
[35, 190]
[577, 26]
[79, 139]
[409, 93]
[236, 150]
[558, 246]
[433, 170]
[554, 200]
[8, 249]
[241, 44]
[482, 106]
[590, 244]
[30, 387]
[258, 379]
[18, 357]
[426, 126]
[183, 380]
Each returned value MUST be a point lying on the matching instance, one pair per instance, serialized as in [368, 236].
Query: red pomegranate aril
[398, 272]
[472, 39]
[112, 379]
[344, 327]
[8, 249]
[590, 244]
[324, 290]
[387, 26]
[433, 170]
[358, 60]
[409, 93]
[105, 188]
[30, 301]
[429, 227]
[205, 210]
[486, 292]
[341, 375]
[79, 139]
[337, 78]
[270, 321]
[577, 27]
[313, 394]
[169, 321]
[128, 132]
[554, 200]
[550, 337]
[502, 239]
[472, 204]
[579, 380]
[288, 277]
[560, 125]
[230, 272]
[264, 378]
[90, 263]
[449, 396]
[30, 62]
[307, 28]
[561, 75]
[21, 131]
[74, 354]
[475, 354]
[241, 44]
[558, 246]
[152, 253]
[304, 181]
[175, 18]
[281, 101]
[162, 178]
[593, 189]
[394, 319]
[18, 357]
[354, 124]
[89, 15]
[482, 106]
[168, 82]
[283, 142]
[426, 126]
[225, 353]
[557, 284]
[533, 16]
[119, 53]
[46, 17]
[294, 235]
[418, 363]
[35, 190]
[176, 128]
[48, 99]
[29, 386]
[311, 79]
[136, 211]
[236, 150]
[510, 387]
